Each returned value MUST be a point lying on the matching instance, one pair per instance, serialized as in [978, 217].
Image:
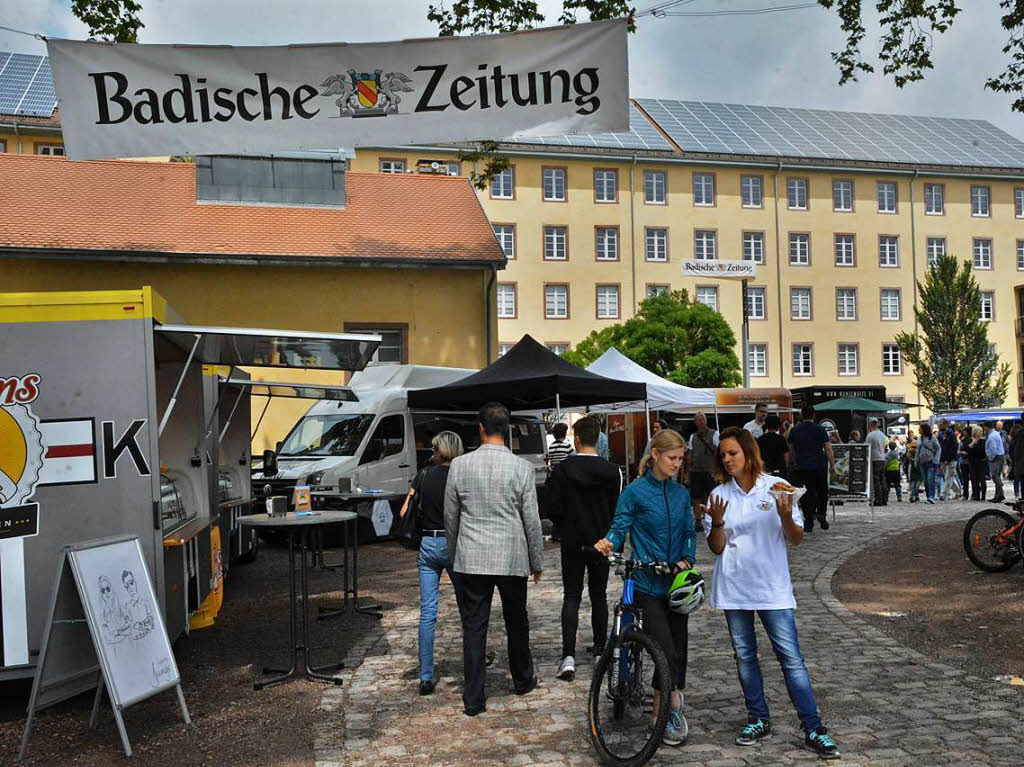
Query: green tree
[676, 338]
[953, 364]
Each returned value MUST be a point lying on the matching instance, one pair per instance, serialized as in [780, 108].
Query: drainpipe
[18, 135]
[632, 229]
[488, 323]
[778, 277]
[913, 266]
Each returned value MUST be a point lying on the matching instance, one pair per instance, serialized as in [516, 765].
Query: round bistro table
[298, 526]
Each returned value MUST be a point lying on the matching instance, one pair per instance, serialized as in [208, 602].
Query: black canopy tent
[528, 377]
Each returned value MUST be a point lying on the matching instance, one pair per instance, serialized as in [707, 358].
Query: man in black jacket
[581, 497]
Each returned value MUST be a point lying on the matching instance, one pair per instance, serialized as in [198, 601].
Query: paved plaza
[885, 704]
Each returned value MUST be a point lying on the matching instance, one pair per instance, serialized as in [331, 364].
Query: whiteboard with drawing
[125, 619]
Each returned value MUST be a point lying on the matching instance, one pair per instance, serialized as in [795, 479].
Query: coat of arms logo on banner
[21, 442]
[362, 94]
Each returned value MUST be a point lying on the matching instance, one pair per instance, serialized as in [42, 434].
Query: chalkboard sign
[852, 476]
[104, 584]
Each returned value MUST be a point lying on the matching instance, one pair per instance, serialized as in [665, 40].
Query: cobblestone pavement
[885, 704]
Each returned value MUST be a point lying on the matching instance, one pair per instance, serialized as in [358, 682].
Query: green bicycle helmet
[686, 593]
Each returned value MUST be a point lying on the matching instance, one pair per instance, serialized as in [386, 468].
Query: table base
[350, 605]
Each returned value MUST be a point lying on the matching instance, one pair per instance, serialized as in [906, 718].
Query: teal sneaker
[754, 732]
[821, 743]
[677, 729]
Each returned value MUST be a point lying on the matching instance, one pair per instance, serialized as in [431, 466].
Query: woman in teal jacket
[655, 511]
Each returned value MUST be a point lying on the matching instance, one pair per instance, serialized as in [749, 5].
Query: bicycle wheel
[982, 545]
[624, 727]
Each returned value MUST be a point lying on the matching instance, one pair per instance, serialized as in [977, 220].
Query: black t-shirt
[773, 451]
[808, 440]
[429, 486]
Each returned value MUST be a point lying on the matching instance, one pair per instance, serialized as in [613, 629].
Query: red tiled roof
[142, 208]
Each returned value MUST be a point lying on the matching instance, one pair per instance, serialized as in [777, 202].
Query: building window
[708, 295]
[753, 247]
[935, 248]
[656, 248]
[756, 297]
[888, 250]
[554, 184]
[1018, 202]
[1020, 255]
[556, 348]
[607, 243]
[796, 191]
[757, 360]
[3, 146]
[980, 196]
[606, 185]
[555, 238]
[988, 306]
[982, 253]
[934, 199]
[752, 191]
[886, 196]
[657, 290]
[705, 245]
[506, 234]
[846, 303]
[655, 187]
[842, 195]
[845, 252]
[393, 344]
[506, 300]
[556, 302]
[54, 150]
[847, 359]
[704, 189]
[803, 356]
[890, 303]
[392, 165]
[503, 185]
[503, 348]
[799, 249]
[892, 362]
[800, 303]
[607, 302]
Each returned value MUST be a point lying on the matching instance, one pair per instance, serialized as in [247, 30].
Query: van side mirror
[269, 463]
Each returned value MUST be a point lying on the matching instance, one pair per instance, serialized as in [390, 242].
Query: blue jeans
[781, 628]
[929, 480]
[433, 559]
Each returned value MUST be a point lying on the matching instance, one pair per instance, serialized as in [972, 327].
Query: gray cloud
[778, 59]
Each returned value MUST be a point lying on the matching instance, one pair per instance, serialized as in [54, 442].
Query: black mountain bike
[627, 715]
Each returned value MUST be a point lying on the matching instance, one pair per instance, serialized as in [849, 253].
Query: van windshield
[334, 435]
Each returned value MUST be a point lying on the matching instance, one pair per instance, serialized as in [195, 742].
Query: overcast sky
[775, 59]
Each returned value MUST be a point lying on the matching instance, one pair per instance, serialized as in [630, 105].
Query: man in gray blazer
[493, 528]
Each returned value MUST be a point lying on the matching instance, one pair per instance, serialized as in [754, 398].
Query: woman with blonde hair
[426, 500]
[655, 512]
[753, 517]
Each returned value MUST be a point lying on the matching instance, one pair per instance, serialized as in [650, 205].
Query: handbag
[408, 530]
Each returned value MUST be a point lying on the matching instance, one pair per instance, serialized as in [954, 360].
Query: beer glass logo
[21, 443]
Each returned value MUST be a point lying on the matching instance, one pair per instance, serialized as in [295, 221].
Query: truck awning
[293, 390]
[258, 347]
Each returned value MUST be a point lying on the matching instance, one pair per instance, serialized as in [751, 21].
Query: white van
[377, 443]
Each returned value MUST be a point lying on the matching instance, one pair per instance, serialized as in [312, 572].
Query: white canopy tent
[662, 394]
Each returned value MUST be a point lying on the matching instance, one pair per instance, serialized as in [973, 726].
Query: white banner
[718, 269]
[126, 100]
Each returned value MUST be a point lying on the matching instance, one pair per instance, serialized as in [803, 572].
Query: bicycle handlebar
[660, 568]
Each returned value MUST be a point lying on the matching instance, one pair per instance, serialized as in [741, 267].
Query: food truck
[108, 426]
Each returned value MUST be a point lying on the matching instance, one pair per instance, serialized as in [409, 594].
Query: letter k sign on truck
[129, 100]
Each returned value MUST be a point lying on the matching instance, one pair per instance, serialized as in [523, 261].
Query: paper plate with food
[780, 489]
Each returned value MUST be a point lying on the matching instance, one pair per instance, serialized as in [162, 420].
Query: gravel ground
[234, 725]
[921, 589]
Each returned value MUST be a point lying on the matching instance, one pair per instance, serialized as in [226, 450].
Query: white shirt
[754, 428]
[752, 572]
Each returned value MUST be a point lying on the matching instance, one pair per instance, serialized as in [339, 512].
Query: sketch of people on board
[138, 610]
[114, 618]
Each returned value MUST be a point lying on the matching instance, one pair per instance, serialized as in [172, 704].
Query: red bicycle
[993, 540]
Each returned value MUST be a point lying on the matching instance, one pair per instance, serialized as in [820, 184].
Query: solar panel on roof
[817, 133]
[641, 135]
[26, 85]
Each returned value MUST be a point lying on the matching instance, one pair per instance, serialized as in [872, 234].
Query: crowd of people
[480, 521]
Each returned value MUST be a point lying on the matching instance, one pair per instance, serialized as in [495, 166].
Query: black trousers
[814, 504]
[670, 630]
[574, 565]
[475, 594]
[979, 473]
[701, 485]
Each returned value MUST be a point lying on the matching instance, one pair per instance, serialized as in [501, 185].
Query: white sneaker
[567, 669]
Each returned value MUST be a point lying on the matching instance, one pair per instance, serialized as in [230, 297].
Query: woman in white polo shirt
[748, 530]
